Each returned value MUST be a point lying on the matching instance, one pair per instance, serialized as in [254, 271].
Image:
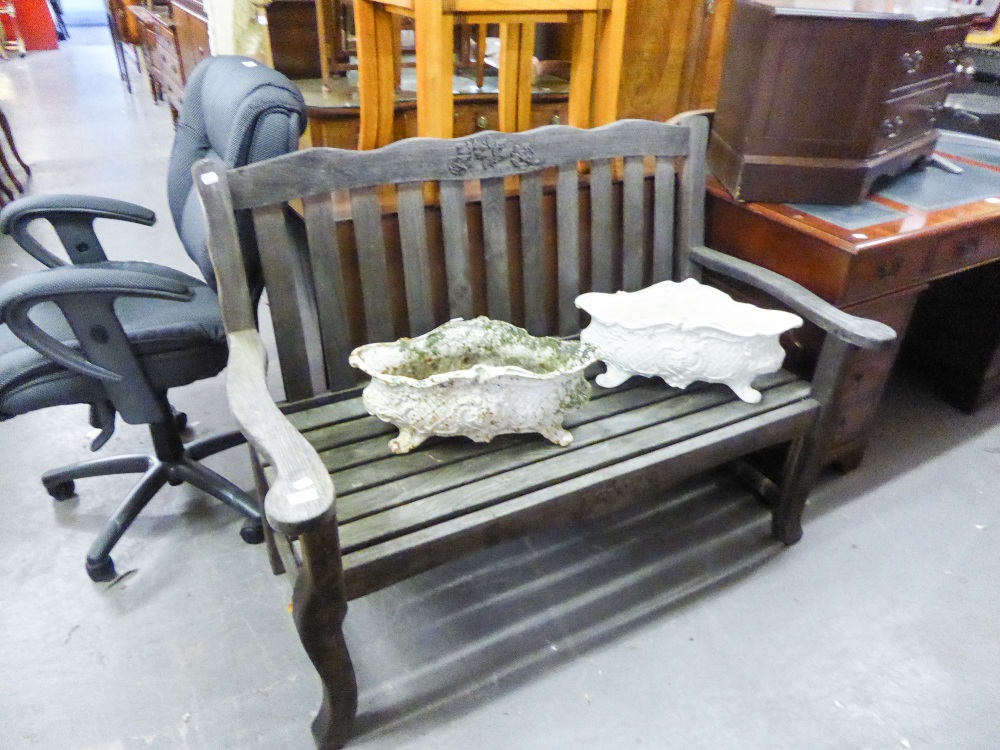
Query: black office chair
[118, 335]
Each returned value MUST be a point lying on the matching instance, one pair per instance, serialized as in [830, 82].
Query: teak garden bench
[514, 226]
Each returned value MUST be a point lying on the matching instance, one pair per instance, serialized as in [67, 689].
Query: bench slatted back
[513, 226]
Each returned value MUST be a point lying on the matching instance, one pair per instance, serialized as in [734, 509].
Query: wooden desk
[875, 258]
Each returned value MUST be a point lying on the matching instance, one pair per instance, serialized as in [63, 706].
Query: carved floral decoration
[488, 152]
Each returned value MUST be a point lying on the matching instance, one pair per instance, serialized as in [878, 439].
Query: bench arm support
[300, 503]
[301, 499]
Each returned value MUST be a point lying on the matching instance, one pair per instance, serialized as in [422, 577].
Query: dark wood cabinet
[191, 28]
[818, 102]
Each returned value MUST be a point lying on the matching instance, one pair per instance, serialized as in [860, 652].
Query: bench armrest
[862, 332]
[301, 499]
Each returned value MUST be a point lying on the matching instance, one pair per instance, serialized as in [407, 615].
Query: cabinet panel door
[191, 29]
[824, 88]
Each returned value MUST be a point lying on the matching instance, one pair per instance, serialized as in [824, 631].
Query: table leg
[581, 76]
[507, 76]
[389, 47]
[368, 75]
[435, 31]
[609, 63]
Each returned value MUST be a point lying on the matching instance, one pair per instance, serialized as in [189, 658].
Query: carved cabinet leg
[319, 605]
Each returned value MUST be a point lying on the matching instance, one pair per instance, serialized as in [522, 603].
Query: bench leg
[319, 604]
[806, 455]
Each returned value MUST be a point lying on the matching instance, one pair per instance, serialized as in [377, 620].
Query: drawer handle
[934, 111]
[556, 120]
[891, 126]
[966, 248]
[482, 123]
[953, 51]
[889, 269]
[911, 61]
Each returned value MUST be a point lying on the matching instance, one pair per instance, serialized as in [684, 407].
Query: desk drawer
[963, 250]
[885, 269]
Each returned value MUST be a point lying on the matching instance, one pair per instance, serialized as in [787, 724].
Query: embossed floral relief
[488, 152]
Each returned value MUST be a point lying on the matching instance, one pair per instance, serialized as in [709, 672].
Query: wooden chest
[817, 102]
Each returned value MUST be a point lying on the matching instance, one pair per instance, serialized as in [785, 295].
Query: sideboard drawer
[964, 250]
[928, 54]
[910, 116]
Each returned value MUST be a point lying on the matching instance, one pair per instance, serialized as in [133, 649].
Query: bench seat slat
[472, 490]
[608, 487]
[381, 496]
[376, 486]
[377, 450]
[357, 452]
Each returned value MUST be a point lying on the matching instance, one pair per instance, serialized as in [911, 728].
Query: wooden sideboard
[876, 258]
[191, 28]
[819, 98]
[173, 39]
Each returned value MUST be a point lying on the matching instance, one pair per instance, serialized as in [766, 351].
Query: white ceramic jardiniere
[683, 332]
[478, 378]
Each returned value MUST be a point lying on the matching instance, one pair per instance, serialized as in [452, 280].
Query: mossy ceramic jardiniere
[478, 378]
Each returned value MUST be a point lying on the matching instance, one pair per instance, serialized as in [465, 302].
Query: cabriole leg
[319, 605]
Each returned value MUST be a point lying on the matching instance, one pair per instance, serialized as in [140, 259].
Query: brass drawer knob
[910, 61]
[482, 123]
[556, 120]
[891, 126]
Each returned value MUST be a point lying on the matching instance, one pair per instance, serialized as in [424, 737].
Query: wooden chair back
[401, 239]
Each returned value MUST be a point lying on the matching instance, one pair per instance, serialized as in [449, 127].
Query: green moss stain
[487, 343]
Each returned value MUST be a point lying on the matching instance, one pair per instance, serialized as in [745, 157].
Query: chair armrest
[301, 499]
[83, 293]
[862, 332]
[73, 217]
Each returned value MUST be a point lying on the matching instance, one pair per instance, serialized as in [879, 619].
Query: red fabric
[37, 27]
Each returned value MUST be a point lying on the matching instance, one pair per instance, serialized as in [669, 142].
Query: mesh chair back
[238, 111]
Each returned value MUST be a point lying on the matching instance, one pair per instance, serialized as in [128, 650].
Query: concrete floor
[680, 627]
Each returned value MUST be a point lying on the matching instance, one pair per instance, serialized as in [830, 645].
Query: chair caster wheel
[253, 532]
[62, 491]
[101, 570]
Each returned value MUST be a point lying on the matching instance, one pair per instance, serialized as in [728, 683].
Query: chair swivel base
[156, 471]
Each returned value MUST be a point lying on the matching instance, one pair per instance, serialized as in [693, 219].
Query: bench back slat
[532, 253]
[663, 227]
[416, 260]
[498, 281]
[568, 233]
[602, 248]
[514, 226]
[327, 269]
[456, 249]
[633, 225]
[366, 212]
[284, 275]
